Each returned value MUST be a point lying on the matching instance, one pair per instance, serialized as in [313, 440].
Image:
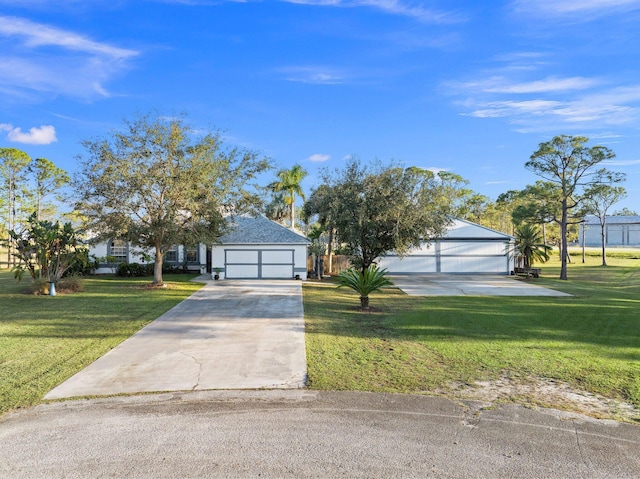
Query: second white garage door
[259, 264]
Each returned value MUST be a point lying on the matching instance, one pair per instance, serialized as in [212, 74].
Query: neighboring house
[619, 231]
[258, 248]
[465, 248]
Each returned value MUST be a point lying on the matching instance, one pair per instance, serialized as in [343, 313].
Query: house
[253, 248]
[619, 231]
[464, 248]
[258, 248]
[115, 251]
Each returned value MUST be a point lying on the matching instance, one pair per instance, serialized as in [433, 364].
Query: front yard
[45, 340]
[580, 353]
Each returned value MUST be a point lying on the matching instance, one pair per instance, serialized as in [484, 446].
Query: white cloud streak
[43, 135]
[74, 65]
[314, 74]
[319, 158]
[577, 10]
[394, 7]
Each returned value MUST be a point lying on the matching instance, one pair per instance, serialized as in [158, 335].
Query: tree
[49, 178]
[364, 282]
[13, 166]
[320, 205]
[277, 209]
[45, 249]
[391, 209]
[289, 183]
[157, 184]
[625, 212]
[529, 245]
[599, 198]
[567, 163]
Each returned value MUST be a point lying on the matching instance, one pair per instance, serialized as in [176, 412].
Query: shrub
[364, 283]
[133, 270]
[70, 284]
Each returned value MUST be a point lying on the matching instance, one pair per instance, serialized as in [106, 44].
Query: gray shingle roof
[260, 230]
[612, 220]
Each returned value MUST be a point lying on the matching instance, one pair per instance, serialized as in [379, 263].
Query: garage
[465, 248]
[258, 248]
[259, 263]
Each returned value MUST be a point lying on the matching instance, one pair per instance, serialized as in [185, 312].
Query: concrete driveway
[228, 335]
[470, 285]
[300, 433]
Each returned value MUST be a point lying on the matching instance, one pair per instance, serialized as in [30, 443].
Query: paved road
[298, 433]
[228, 335]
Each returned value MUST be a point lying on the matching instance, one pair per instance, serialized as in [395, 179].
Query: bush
[69, 284]
[38, 286]
[134, 270]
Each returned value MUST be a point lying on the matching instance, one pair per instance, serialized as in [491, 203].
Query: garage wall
[260, 261]
[452, 257]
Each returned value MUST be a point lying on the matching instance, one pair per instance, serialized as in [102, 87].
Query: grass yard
[45, 340]
[522, 349]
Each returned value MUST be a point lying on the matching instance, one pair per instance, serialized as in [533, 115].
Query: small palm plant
[529, 245]
[364, 282]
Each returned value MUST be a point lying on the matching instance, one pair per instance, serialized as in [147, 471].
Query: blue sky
[466, 86]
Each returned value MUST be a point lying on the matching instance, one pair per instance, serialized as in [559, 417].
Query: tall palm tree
[529, 245]
[289, 183]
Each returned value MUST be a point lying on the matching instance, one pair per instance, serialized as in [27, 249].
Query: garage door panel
[244, 256]
[277, 257]
[277, 271]
[468, 264]
[408, 264]
[241, 271]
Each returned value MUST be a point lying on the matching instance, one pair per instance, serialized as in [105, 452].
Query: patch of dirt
[548, 393]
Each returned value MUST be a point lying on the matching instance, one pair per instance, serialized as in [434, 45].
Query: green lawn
[590, 341]
[45, 340]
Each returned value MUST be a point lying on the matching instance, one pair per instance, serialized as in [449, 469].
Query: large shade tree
[389, 208]
[156, 183]
[49, 179]
[571, 166]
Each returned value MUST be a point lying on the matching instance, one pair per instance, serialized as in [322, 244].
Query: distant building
[620, 231]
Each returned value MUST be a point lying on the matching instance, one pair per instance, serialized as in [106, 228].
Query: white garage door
[259, 264]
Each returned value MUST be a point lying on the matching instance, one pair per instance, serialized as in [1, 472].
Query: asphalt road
[300, 433]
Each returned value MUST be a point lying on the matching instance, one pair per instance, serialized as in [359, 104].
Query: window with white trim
[118, 251]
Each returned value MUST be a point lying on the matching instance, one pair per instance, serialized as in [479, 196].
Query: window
[171, 255]
[191, 253]
[118, 251]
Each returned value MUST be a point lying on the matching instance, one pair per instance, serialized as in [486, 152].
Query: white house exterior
[114, 252]
[619, 230]
[465, 248]
[258, 248]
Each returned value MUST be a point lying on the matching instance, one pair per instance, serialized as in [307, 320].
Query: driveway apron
[230, 334]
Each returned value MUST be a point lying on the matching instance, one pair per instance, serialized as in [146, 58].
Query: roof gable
[259, 230]
[462, 229]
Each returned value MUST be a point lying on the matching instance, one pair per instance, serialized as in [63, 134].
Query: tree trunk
[293, 214]
[330, 251]
[563, 238]
[364, 303]
[157, 267]
[603, 235]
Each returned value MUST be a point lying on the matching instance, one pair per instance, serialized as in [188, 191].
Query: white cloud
[43, 135]
[576, 10]
[74, 64]
[319, 157]
[314, 75]
[501, 84]
[621, 162]
[395, 7]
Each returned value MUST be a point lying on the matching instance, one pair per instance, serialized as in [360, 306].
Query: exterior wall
[136, 255]
[459, 256]
[616, 234]
[273, 259]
